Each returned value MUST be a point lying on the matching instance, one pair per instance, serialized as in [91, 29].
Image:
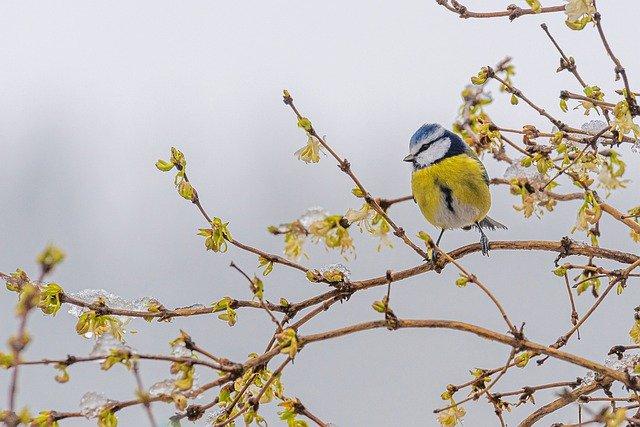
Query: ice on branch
[110, 300]
[627, 363]
[163, 388]
[517, 171]
[106, 343]
[312, 215]
[92, 403]
[594, 127]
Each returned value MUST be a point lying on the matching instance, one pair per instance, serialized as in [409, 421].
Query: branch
[512, 11]
[564, 400]
[619, 69]
[482, 333]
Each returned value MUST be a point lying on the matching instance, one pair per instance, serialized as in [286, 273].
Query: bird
[449, 183]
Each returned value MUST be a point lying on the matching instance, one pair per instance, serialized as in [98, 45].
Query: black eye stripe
[426, 146]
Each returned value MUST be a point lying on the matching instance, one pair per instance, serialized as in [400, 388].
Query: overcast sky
[93, 92]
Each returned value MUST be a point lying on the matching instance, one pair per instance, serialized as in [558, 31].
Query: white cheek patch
[436, 134]
[435, 152]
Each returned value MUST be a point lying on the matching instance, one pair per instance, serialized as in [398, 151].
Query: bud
[164, 166]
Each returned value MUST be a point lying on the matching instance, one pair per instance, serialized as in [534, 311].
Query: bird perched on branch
[449, 182]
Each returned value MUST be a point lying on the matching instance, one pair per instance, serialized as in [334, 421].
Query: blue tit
[449, 182]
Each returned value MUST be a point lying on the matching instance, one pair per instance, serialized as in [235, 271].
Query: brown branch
[564, 400]
[625, 219]
[71, 360]
[566, 247]
[345, 167]
[512, 11]
[569, 95]
[271, 257]
[619, 69]
[480, 332]
[574, 312]
[538, 188]
[476, 395]
[559, 124]
[566, 63]
[621, 277]
[303, 410]
[532, 389]
[144, 396]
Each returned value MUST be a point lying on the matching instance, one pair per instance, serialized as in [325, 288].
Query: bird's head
[432, 143]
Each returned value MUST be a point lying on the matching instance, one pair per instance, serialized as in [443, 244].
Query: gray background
[92, 93]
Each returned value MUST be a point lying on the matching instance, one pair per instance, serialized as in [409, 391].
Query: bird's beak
[409, 158]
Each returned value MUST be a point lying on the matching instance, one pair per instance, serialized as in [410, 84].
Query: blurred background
[92, 93]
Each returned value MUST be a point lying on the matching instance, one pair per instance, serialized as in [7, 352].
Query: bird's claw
[484, 243]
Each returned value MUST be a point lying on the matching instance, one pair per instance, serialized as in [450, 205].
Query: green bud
[164, 166]
[462, 281]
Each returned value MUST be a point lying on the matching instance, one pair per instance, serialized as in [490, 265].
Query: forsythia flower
[624, 121]
[288, 340]
[588, 214]
[452, 416]
[611, 171]
[634, 333]
[373, 222]
[217, 236]
[293, 245]
[90, 323]
[579, 13]
[107, 418]
[333, 233]
[616, 418]
[50, 299]
[310, 153]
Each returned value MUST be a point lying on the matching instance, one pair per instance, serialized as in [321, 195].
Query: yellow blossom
[217, 236]
[579, 13]
[624, 121]
[452, 416]
[50, 299]
[107, 418]
[615, 418]
[634, 333]
[293, 245]
[310, 153]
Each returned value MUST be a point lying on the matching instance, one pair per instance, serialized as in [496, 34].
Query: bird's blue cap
[427, 133]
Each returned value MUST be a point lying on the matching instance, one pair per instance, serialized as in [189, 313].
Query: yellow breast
[452, 193]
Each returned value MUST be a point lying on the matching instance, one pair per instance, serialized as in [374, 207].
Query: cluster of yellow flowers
[533, 201]
[579, 13]
[91, 323]
[216, 237]
[332, 230]
[452, 416]
[624, 121]
[226, 307]
[589, 214]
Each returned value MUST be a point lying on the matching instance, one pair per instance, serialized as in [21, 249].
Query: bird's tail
[491, 224]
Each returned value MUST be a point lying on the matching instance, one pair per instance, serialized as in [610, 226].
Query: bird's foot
[484, 243]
